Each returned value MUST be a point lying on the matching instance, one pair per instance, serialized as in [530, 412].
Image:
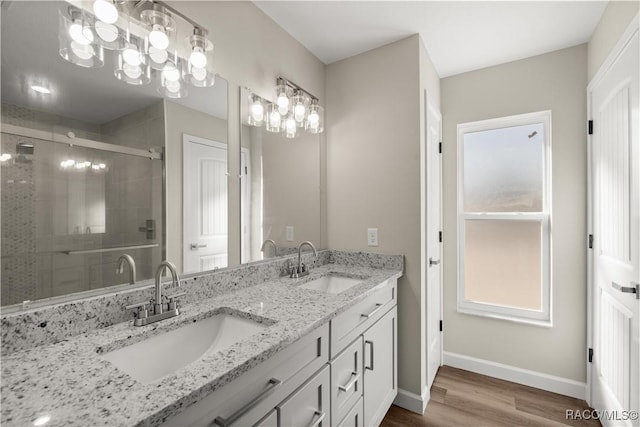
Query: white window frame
[544, 316]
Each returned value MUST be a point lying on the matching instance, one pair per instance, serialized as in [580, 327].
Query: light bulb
[102, 166]
[298, 112]
[79, 34]
[106, 32]
[105, 11]
[158, 56]
[172, 86]
[158, 38]
[82, 51]
[274, 118]
[283, 103]
[131, 71]
[198, 58]
[199, 73]
[313, 118]
[290, 124]
[171, 73]
[131, 55]
[257, 111]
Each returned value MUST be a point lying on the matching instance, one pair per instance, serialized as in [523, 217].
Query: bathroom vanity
[322, 351]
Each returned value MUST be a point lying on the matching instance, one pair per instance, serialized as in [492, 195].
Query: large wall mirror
[83, 162]
[280, 193]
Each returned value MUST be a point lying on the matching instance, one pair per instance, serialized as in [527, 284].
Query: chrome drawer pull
[224, 422]
[320, 416]
[375, 310]
[354, 378]
[370, 355]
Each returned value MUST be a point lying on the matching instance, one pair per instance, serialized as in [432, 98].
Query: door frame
[610, 60]
[186, 139]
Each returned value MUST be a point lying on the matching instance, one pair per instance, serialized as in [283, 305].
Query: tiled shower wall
[34, 265]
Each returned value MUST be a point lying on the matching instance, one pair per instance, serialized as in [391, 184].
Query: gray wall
[373, 180]
[554, 81]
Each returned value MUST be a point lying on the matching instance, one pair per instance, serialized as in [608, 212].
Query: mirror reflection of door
[205, 204]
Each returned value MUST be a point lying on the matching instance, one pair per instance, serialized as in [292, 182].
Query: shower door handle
[195, 246]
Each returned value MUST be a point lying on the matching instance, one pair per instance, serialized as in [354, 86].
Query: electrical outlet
[372, 236]
[289, 230]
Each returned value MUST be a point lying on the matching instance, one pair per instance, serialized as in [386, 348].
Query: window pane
[503, 169]
[502, 263]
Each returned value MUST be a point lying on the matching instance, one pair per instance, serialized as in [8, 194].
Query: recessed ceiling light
[41, 89]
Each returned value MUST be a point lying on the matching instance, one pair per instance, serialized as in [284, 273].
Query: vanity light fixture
[143, 36]
[302, 110]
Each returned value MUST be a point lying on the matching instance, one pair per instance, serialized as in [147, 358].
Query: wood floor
[462, 398]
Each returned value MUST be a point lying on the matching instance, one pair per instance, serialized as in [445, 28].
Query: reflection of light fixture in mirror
[105, 11]
[274, 119]
[283, 93]
[199, 77]
[315, 118]
[75, 39]
[171, 85]
[256, 114]
[4, 157]
[290, 127]
[41, 89]
[127, 70]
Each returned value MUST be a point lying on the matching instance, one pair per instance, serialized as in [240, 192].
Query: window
[504, 217]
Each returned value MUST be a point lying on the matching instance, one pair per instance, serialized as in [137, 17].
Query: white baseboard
[535, 379]
[411, 401]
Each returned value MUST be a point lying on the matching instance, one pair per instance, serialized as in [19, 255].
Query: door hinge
[440, 147]
[590, 241]
[590, 355]
[441, 326]
[590, 127]
[440, 236]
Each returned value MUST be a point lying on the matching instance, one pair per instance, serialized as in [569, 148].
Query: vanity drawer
[249, 398]
[346, 379]
[309, 405]
[270, 420]
[355, 417]
[353, 322]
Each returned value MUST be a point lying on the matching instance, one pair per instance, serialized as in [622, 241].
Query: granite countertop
[69, 382]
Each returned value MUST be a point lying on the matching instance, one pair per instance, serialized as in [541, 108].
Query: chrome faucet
[302, 269]
[275, 247]
[126, 258]
[159, 308]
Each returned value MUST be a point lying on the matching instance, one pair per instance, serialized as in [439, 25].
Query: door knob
[195, 246]
[633, 289]
[433, 262]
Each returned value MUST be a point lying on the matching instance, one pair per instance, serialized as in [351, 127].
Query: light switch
[289, 231]
[372, 236]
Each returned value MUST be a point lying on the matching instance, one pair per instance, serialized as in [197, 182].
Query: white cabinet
[355, 417]
[380, 368]
[309, 405]
[271, 420]
[346, 380]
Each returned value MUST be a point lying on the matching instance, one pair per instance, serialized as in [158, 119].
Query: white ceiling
[460, 36]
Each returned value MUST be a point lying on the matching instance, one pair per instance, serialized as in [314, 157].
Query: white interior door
[615, 369]
[204, 204]
[434, 246]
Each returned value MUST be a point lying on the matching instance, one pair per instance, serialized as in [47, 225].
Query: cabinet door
[355, 417]
[309, 405]
[380, 368]
[270, 420]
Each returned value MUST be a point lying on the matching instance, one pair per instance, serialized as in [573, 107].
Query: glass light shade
[200, 50]
[274, 118]
[315, 118]
[283, 93]
[76, 41]
[256, 111]
[299, 103]
[290, 127]
[105, 11]
[108, 36]
[171, 83]
[158, 37]
[197, 76]
[132, 74]
[160, 42]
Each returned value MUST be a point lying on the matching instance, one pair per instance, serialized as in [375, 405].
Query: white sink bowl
[332, 283]
[161, 355]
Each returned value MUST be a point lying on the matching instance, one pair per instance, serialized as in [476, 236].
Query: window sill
[532, 322]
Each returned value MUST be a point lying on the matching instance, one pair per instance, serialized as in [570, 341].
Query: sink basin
[332, 283]
[163, 354]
